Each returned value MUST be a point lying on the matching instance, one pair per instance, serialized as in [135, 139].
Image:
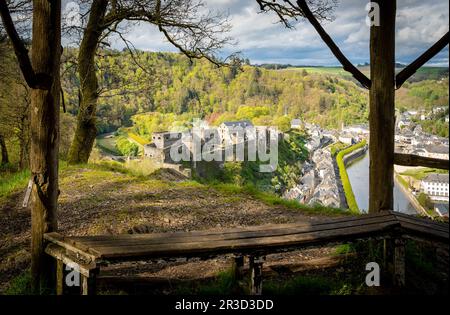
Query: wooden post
[46, 55]
[255, 264]
[89, 284]
[399, 263]
[237, 266]
[395, 261]
[382, 108]
[59, 277]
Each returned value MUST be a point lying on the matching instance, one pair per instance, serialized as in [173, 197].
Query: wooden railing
[89, 253]
[416, 160]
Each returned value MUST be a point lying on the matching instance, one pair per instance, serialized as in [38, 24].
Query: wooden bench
[90, 253]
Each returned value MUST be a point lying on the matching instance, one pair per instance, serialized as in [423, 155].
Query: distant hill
[424, 73]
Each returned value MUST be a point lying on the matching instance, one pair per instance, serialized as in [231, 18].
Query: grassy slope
[108, 145]
[105, 171]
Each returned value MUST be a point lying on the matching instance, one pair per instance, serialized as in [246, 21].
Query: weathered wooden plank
[174, 235]
[429, 225]
[61, 254]
[245, 245]
[279, 231]
[59, 277]
[418, 230]
[65, 242]
[415, 160]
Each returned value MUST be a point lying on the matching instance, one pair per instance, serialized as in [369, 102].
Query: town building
[439, 151]
[233, 131]
[436, 186]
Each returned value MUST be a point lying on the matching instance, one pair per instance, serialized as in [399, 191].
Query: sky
[261, 39]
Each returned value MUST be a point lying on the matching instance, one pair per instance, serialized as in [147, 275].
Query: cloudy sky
[262, 40]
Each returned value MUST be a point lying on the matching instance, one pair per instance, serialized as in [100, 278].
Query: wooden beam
[415, 160]
[382, 109]
[348, 66]
[407, 72]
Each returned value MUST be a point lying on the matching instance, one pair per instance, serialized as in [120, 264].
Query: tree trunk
[382, 108]
[5, 159]
[86, 130]
[46, 54]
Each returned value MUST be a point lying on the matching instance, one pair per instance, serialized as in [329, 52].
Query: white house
[436, 186]
[357, 129]
[346, 138]
[296, 124]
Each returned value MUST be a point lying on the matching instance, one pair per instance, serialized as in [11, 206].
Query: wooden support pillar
[89, 284]
[60, 275]
[399, 263]
[255, 264]
[237, 267]
[382, 108]
[395, 261]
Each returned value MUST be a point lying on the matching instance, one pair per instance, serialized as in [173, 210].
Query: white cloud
[262, 39]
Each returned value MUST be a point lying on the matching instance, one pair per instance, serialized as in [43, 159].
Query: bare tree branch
[407, 72]
[34, 80]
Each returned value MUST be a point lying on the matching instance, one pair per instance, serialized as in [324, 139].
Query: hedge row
[351, 201]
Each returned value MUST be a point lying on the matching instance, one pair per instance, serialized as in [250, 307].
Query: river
[358, 172]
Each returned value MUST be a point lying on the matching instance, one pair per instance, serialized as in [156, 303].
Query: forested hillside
[170, 83]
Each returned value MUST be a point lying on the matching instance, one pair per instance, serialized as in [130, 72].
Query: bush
[425, 201]
[126, 147]
[351, 201]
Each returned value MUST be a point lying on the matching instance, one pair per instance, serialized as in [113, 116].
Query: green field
[107, 144]
[421, 173]
[322, 70]
[423, 73]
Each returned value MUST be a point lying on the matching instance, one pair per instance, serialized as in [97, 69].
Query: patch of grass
[107, 144]
[422, 259]
[20, 285]
[143, 167]
[402, 181]
[12, 181]
[224, 284]
[344, 249]
[421, 173]
[137, 138]
[301, 285]
[335, 148]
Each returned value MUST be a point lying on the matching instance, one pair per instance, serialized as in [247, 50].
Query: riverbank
[412, 199]
[358, 172]
[343, 159]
